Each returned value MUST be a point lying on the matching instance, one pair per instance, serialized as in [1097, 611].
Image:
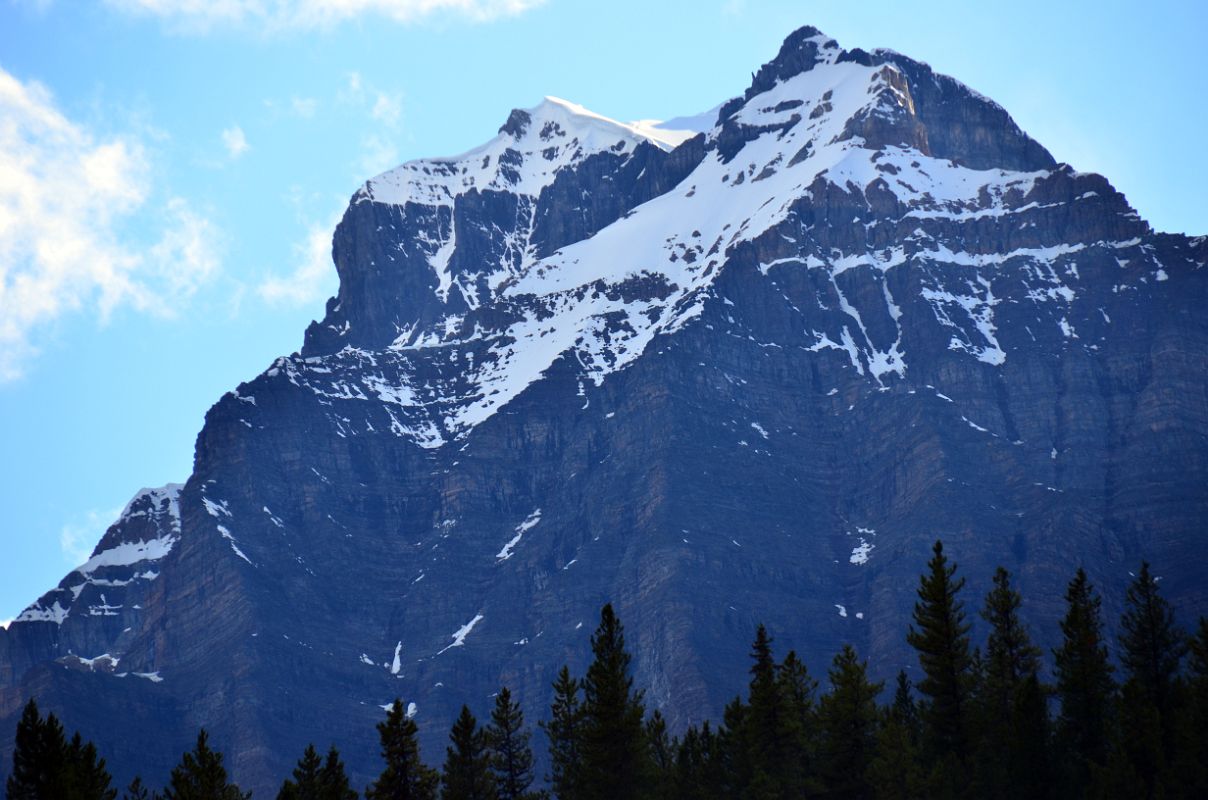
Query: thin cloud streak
[78, 539]
[202, 15]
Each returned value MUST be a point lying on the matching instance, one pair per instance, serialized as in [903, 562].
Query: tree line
[981, 723]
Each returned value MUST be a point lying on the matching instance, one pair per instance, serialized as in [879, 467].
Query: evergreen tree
[1028, 746]
[1005, 708]
[564, 731]
[771, 729]
[1152, 647]
[1010, 655]
[797, 692]
[200, 775]
[467, 773]
[689, 772]
[895, 772]
[1151, 644]
[85, 773]
[733, 753]
[333, 779]
[1192, 731]
[942, 641]
[1085, 689]
[137, 791]
[698, 773]
[45, 765]
[511, 755]
[614, 757]
[904, 709]
[848, 720]
[36, 757]
[768, 743]
[1138, 766]
[405, 776]
[305, 783]
[662, 755]
[316, 779]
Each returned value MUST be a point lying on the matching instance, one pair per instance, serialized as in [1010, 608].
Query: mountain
[738, 368]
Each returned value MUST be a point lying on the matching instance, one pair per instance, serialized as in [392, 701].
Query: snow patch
[506, 552]
[861, 552]
[459, 637]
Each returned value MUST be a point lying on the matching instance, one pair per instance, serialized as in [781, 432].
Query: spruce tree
[695, 773]
[1085, 689]
[904, 709]
[662, 756]
[1005, 708]
[511, 754]
[564, 731]
[770, 739]
[46, 765]
[405, 776]
[1192, 730]
[316, 779]
[200, 775]
[614, 757]
[895, 772]
[940, 634]
[1010, 655]
[305, 783]
[1028, 747]
[848, 719]
[1151, 644]
[333, 779]
[36, 758]
[770, 729]
[467, 772]
[797, 690]
[85, 773]
[137, 791]
[1152, 647]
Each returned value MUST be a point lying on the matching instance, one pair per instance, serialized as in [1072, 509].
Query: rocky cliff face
[721, 376]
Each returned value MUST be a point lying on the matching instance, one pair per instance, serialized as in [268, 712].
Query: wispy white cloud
[66, 197]
[304, 107]
[378, 154]
[235, 142]
[387, 109]
[78, 538]
[4, 623]
[313, 277]
[201, 15]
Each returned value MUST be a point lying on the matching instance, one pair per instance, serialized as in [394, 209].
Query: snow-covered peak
[125, 559]
[155, 496]
[541, 276]
[532, 147]
[674, 132]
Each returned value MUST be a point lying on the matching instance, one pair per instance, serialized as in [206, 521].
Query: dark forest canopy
[980, 724]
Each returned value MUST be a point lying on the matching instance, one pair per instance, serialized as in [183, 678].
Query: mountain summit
[739, 368]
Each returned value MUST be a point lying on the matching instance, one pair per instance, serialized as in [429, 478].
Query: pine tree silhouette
[564, 730]
[1085, 688]
[848, 718]
[614, 756]
[467, 772]
[202, 776]
[511, 754]
[405, 776]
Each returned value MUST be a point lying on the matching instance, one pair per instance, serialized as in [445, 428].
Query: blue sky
[171, 171]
